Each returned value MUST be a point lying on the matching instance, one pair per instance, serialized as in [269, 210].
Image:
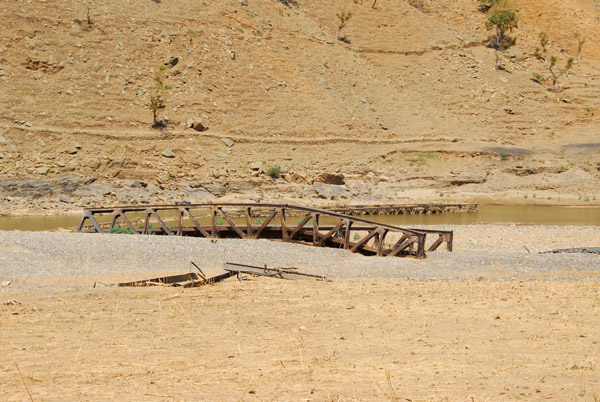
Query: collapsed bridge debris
[283, 222]
[275, 272]
[197, 279]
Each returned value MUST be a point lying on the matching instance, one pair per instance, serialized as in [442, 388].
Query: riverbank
[321, 195]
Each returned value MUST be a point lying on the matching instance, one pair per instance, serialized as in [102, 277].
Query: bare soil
[410, 108]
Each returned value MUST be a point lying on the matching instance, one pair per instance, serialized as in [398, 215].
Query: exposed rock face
[36, 188]
[521, 170]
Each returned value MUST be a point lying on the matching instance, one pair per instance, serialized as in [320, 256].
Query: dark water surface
[487, 214]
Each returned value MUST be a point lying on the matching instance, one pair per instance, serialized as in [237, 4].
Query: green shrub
[120, 230]
[274, 171]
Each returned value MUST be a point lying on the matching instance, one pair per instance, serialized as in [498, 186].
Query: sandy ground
[272, 340]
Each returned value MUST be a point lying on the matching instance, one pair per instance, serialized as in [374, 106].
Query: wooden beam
[231, 224]
[265, 223]
[364, 240]
[249, 227]
[330, 233]
[160, 222]
[347, 234]
[197, 225]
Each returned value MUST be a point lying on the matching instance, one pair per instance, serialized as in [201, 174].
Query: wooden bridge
[283, 222]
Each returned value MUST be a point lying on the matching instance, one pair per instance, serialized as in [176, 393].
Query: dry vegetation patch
[282, 340]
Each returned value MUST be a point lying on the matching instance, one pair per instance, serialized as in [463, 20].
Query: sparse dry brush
[344, 17]
[157, 97]
[580, 42]
[551, 63]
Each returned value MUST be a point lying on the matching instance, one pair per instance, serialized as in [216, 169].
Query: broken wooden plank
[188, 280]
[275, 272]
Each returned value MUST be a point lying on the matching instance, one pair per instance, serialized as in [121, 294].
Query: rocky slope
[409, 107]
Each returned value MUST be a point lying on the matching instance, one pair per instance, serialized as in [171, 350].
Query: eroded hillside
[408, 107]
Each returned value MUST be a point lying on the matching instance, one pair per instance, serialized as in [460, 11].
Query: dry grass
[294, 340]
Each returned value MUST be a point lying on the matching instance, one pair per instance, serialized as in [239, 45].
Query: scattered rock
[255, 165]
[464, 179]
[383, 126]
[332, 192]
[297, 177]
[331, 178]
[584, 250]
[2, 140]
[216, 189]
[43, 170]
[197, 125]
[227, 142]
[200, 196]
[168, 154]
[5, 284]
[65, 199]
[172, 61]
[43, 66]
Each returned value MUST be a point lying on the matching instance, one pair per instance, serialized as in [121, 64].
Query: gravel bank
[33, 260]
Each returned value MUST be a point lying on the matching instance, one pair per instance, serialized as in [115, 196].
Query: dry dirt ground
[272, 340]
[410, 108]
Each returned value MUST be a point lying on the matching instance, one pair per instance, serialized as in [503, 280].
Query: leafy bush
[120, 230]
[503, 16]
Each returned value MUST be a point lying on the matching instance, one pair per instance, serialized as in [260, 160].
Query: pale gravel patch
[30, 259]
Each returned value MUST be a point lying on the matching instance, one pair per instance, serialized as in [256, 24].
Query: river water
[487, 214]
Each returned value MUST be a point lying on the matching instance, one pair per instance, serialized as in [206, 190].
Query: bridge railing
[285, 222]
